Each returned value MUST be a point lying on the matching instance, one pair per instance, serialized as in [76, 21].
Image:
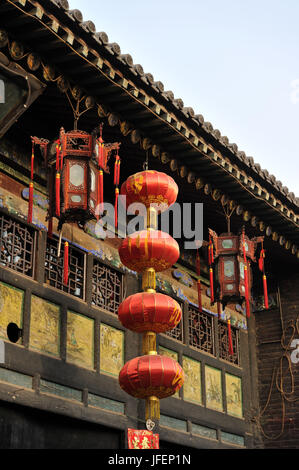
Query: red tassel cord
[266, 299]
[30, 206]
[117, 171]
[116, 208]
[58, 195]
[66, 264]
[57, 154]
[212, 285]
[211, 261]
[32, 162]
[198, 282]
[262, 269]
[100, 193]
[246, 281]
[230, 339]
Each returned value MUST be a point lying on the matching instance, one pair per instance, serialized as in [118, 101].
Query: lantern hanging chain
[278, 378]
[146, 164]
[228, 214]
[76, 110]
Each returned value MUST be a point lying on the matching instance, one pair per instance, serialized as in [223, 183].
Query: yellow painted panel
[192, 385]
[234, 395]
[80, 340]
[213, 388]
[111, 350]
[11, 307]
[44, 327]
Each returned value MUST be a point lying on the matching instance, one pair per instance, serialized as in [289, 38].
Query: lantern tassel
[266, 300]
[66, 264]
[101, 192]
[58, 194]
[116, 208]
[230, 339]
[246, 292]
[57, 154]
[116, 171]
[247, 297]
[30, 206]
[32, 162]
[152, 410]
[198, 282]
[212, 285]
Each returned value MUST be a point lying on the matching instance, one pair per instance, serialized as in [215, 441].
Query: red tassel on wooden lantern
[30, 205]
[246, 280]
[116, 208]
[66, 264]
[262, 268]
[230, 339]
[266, 299]
[117, 170]
[32, 162]
[57, 198]
[211, 271]
[198, 282]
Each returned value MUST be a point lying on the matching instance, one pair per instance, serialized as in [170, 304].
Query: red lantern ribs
[151, 376]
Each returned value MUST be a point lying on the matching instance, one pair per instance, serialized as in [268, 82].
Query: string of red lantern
[31, 187]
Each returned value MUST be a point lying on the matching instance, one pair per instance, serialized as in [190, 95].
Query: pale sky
[233, 61]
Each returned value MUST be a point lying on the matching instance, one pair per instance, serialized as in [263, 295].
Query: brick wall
[272, 357]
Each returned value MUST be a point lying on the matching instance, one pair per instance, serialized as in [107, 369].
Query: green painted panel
[204, 431]
[173, 423]
[106, 403]
[15, 378]
[60, 390]
[232, 438]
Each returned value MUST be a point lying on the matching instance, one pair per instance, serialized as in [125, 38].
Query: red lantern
[150, 187]
[147, 311]
[152, 378]
[76, 163]
[149, 249]
[232, 257]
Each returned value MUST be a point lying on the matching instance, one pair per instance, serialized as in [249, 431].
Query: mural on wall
[44, 327]
[174, 355]
[213, 388]
[11, 307]
[80, 340]
[192, 385]
[234, 395]
[111, 350]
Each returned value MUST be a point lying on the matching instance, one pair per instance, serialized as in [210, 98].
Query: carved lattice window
[54, 269]
[224, 343]
[107, 287]
[201, 331]
[17, 246]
